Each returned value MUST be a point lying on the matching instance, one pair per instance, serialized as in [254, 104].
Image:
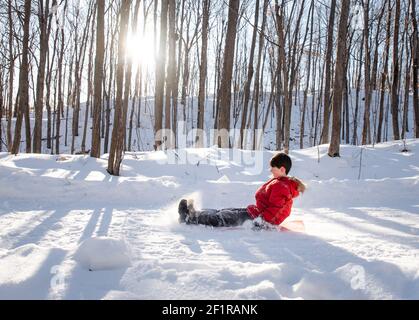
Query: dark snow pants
[229, 217]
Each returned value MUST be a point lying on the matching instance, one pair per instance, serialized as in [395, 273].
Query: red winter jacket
[274, 200]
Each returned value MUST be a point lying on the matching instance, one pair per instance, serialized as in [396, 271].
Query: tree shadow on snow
[309, 267]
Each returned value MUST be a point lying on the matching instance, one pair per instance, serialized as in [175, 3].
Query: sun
[140, 49]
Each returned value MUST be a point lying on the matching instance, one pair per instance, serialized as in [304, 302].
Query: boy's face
[278, 172]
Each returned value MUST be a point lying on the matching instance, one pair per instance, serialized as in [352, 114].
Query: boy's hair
[281, 160]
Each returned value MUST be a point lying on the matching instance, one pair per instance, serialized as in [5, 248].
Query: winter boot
[193, 214]
[183, 211]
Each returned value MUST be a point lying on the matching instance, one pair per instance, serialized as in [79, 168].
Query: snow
[103, 253]
[63, 215]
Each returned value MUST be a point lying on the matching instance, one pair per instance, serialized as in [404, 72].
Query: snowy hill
[63, 215]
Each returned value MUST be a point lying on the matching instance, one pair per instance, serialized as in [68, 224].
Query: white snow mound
[103, 253]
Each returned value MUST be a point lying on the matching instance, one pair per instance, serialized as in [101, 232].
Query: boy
[274, 201]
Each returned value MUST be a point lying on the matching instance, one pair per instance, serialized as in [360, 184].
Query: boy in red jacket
[274, 201]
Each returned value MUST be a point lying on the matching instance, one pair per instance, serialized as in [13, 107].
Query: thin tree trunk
[203, 72]
[328, 74]
[256, 91]
[396, 71]
[108, 104]
[39, 104]
[366, 131]
[285, 86]
[160, 76]
[89, 91]
[250, 72]
[171, 70]
[1, 109]
[48, 93]
[384, 74]
[11, 77]
[405, 127]
[98, 78]
[60, 87]
[358, 89]
[377, 38]
[415, 65]
[303, 117]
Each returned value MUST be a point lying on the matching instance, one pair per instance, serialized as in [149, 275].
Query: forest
[84, 74]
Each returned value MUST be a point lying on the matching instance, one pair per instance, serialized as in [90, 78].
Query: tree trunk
[89, 90]
[225, 89]
[109, 95]
[11, 77]
[118, 132]
[366, 131]
[1, 109]
[285, 86]
[160, 76]
[377, 38]
[396, 71]
[415, 65]
[250, 72]
[78, 77]
[98, 78]
[256, 91]
[23, 83]
[340, 76]
[171, 70]
[303, 117]
[328, 73]
[48, 92]
[405, 127]
[358, 89]
[203, 72]
[60, 88]
[384, 75]
[39, 103]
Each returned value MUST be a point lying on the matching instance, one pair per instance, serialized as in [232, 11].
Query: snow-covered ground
[68, 230]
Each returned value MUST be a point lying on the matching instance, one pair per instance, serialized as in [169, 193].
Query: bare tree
[384, 74]
[23, 83]
[328, 73]
[118, 131]
[415, 64]
[250, 72]
[11, 76]
[160, 75]
[203, 69]
[334, 148]
[60, 85]
[366, 131]
[98, 77]
[396, 71]
[225, 90]
[303, 116]
[43, 15]
[256, 91]
[171, 68]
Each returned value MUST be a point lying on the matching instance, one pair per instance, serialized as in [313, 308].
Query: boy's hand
[260, 224]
